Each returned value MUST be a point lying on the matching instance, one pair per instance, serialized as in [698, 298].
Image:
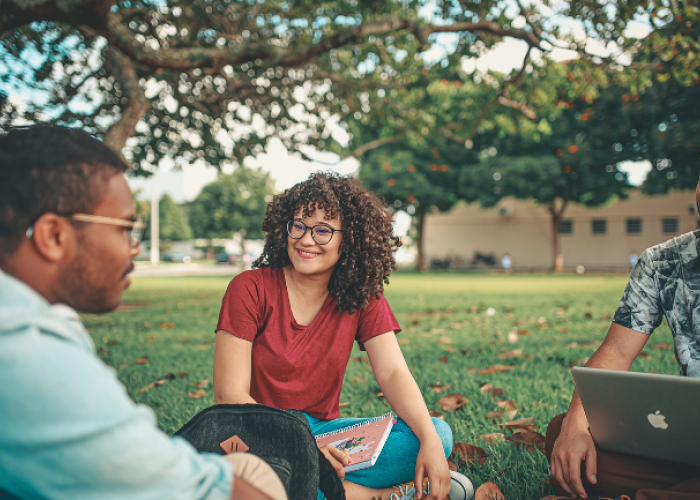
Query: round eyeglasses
[321, 233]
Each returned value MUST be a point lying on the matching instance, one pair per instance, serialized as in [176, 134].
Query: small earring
[30, 232]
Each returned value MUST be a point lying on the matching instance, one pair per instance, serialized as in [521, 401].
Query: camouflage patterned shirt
[666, 282]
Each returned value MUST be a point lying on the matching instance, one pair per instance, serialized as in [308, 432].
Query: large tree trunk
[420, 224]
[556, 216]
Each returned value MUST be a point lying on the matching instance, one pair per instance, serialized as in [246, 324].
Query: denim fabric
[67, 426]
[397, 462]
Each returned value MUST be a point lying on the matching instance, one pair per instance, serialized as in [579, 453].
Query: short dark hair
[366, 259]
[49, 169]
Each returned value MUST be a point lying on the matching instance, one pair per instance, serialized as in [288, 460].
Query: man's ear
[53, 237]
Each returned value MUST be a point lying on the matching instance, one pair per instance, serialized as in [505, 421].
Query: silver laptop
[643, 414]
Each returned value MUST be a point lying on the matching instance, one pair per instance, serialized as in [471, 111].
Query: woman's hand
[338, 459]
[431, 463]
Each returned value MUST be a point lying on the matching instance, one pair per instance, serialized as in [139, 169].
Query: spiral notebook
[363, 441]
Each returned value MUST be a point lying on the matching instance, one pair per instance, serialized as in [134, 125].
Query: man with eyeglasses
[68, 234]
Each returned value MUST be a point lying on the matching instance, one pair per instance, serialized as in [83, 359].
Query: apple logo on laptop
[657, 420]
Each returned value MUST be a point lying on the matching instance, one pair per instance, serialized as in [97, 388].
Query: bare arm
[242, 490]
[404, 396]
[232, 369]
[575, 445]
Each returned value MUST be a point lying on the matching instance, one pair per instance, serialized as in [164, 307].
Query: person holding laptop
[68, 429]
[665, 281]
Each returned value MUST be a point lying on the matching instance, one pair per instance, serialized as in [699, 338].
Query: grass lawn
[453, 326]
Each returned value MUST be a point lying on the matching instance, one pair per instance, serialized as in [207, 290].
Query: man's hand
[571, 448]
[338, 459]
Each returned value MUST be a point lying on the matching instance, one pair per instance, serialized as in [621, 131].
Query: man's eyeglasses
[135, 228]
[321, 233]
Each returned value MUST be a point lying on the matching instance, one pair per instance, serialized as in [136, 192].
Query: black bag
[283, 439]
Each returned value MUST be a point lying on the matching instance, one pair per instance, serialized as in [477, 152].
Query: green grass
[447, 333]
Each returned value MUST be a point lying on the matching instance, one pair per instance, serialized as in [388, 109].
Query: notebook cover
[363, 441]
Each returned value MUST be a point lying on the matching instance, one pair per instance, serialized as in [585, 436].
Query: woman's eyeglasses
[321, 233]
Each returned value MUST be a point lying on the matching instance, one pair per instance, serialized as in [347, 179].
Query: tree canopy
[213, 79]
[235, 203]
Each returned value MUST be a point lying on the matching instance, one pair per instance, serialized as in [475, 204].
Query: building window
[634, 226]
[566, 227]
[669, 225]
[599, 226]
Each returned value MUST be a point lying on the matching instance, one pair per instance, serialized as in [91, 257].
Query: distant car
[227, 258]
[177, 257]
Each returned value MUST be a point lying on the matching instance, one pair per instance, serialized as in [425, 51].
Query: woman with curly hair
[286, 331]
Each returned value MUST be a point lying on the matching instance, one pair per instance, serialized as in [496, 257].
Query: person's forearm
[606, 357]
[405, 398]
[241, 398]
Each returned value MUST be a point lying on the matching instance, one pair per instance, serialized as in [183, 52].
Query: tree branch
[122, 69]
[518, 106]
[356, 153]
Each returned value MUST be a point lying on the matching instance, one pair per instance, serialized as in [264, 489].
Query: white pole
[155, 240]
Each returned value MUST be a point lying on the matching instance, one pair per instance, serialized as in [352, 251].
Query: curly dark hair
[366, 258]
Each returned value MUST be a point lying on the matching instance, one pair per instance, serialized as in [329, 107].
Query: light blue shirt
[68, 429]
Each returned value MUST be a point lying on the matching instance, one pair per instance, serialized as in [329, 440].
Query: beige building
[596, 238]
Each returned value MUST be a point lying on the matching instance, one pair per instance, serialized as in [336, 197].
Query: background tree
[172, 222]
[411, 180]
[576, 163]
[235, 203]
[207, 79]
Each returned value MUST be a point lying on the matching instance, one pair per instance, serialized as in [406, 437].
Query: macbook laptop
[643, 414]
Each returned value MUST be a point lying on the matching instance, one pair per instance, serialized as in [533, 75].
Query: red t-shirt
[297, 366]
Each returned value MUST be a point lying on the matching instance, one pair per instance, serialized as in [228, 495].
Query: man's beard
[83, 286]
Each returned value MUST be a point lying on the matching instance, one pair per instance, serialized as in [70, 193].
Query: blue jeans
[397, 462]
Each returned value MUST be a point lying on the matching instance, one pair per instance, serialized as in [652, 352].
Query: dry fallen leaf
[530, 439]
[507, 405]
[380, 394]
[342, 405]
[165, 326]
[152, 385]
[436, 414]
[493, 391]
[469, 453]
[488, 491]
[495, 369]
[494, 414]
[182, 374]
[443, 359]
[513, 353]
[452, 465]
[445, 340]
[523, 332]
[141, 361]
[492, 437]
[437, 388]
[661, 346]
[522, 424]
[197, 394]
[512, 337]
[452, 402]
[202, 384]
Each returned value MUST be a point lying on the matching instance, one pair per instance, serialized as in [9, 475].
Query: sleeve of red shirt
[375, 320]
[241, 305]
